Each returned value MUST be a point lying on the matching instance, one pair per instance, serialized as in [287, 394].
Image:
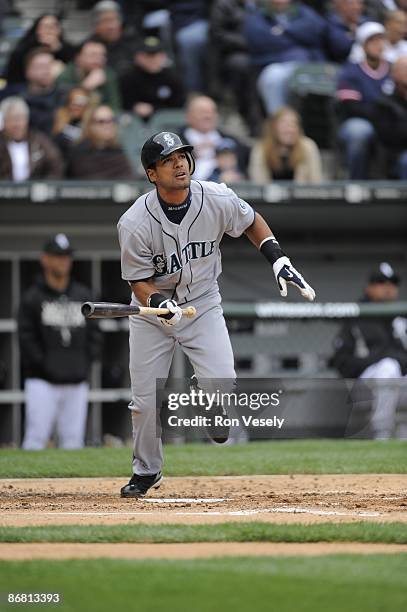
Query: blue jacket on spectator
[359, 87]
[297, 35]
[339, 37]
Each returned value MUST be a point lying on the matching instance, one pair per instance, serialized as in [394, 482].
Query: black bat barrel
[87, 309]
[103, 310]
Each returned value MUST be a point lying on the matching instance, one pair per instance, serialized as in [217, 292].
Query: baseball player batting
[170, 256]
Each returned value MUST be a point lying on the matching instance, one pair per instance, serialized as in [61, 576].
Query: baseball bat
[109, 310]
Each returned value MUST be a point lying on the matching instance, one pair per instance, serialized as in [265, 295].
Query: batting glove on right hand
[285, 273]
[175, 314]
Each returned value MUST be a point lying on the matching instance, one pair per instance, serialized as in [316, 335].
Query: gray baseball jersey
[184, 259]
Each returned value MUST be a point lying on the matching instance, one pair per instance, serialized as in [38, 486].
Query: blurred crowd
[82, 111]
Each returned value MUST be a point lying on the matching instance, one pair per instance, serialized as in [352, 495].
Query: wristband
[155, 299]
[271, 250]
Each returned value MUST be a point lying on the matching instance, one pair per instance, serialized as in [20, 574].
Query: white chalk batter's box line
[212, 513]
[185, 500]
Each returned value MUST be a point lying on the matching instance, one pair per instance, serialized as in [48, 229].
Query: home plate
[186, 500]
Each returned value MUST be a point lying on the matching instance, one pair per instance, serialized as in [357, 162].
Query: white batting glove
[285, 273]
[175, 314]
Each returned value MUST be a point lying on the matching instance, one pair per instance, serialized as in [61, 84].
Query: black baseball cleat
[139, 485]
[218, 433]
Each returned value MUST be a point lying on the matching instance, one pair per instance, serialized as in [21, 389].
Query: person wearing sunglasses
[99, 155]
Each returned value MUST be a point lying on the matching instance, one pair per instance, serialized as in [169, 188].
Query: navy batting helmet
[161, 145]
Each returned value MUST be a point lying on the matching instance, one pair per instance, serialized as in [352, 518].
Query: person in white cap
[359, 87]
[395, 31]
[365, 31]
[57, 345]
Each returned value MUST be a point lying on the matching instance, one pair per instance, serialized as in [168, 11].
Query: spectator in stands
[108, 29]
[25, 153]
[376, 349]
[89, 71]
[138, 15]
[231, 56]
[41, 91]
[69, 119]
[343, 21]
[359, 87]
[284, 153]
[151, 84]
[280, 35]
[99, 155]
[396, 33]
[395, 44]
[190, 24]
[227, 163]
[46, 31]
[391, 122]
[57, 346]
[203, 133]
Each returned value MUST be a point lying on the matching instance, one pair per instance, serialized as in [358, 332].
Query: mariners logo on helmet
[162, 144]
[169, 139]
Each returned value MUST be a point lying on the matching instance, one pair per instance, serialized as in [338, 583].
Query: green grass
[373, 583]
[395, 533]
[277, 457]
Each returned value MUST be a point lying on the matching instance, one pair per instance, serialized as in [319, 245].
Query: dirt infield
[196, 550]
[279, 499]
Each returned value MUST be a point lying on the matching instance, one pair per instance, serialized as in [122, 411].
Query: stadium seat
[133, 133]
[317, 78]
[312, 89]
[169, 119]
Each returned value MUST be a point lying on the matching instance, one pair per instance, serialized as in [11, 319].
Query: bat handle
[188, 312]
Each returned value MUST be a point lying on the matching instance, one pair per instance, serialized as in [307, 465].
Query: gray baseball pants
[205, 341]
